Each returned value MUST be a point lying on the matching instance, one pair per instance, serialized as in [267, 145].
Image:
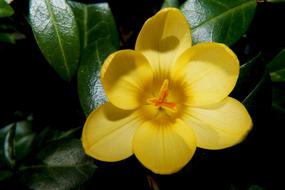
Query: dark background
[28, 85]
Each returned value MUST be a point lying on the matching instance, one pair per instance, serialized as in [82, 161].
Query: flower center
[161, 100]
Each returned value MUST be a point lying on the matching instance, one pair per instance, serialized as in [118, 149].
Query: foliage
[51, 53]
[56, 32]
[220, 21]
[5, 9]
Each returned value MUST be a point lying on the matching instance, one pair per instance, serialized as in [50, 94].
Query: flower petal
[127, 76]
[108, 133]
[163, 38]
[164, 146]
[219, 126]
[207, 73]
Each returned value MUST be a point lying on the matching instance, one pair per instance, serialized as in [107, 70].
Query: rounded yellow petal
[108, 133]
[164, 146]
[206, 73]
[163, 38]
[127, 77]
[219, 126]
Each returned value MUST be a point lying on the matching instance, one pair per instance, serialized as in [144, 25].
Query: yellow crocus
[166, 98]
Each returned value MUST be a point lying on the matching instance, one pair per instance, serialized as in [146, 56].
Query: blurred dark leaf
[7, 37]
[24, 139]
[250, 74]
[152, 183]
[56, 32]
[277, 67]
[48, 135]
[7, 153]
[278, 98]
[4, 26]
[65, 134]
[21, 139]
[64, 166]
[255, 187]
[5, 174]
[5, 9]
[220, 21]
[275, 1]
[100, 38]
[258, 101]
[254, 88]
[23, 146]
[170, 3]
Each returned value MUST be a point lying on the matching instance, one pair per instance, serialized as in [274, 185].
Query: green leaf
[64, 166]
[100, 38]
[56, 32]
[170, 3]
[277, 67]
[7, 154]
[218, 20]
[5, 9]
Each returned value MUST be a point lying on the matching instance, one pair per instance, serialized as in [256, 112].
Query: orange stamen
[161, 101]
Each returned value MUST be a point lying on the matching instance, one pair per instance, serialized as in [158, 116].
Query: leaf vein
[58, 37]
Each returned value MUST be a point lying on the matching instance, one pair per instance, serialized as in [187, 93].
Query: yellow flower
[166, 98]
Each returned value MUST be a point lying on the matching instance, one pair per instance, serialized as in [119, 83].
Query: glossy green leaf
[7, 154]
[99, 38]
[277, 67]
[170, 3]
[64, 166]
[5, 9]
[222, 21]
[56, 32]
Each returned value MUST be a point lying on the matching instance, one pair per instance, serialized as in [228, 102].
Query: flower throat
[161, 100]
